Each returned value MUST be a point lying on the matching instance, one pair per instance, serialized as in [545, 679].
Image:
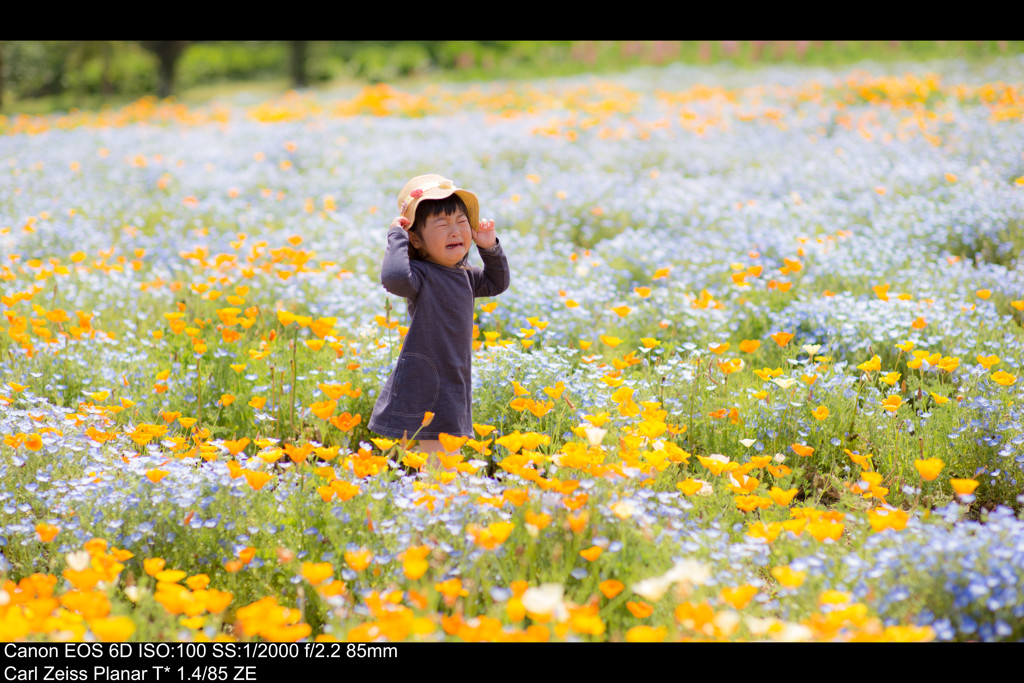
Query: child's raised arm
[397, 276]
[494, 278]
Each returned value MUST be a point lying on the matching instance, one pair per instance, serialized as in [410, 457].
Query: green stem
[387, 319]
[291, 419]
[199, 394]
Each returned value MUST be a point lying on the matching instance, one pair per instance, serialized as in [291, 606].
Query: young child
[426, 263]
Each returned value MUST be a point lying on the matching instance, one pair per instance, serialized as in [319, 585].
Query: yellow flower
[749, 345]
[788, 577]
[802, 450]
[988, 361]
[317, 572]
[872, 365]
[963, 487]
[153, 565]
[1004, 378]
[820, 413]
[825, 529]
[113, 629]
[929, 469]
[739, 596]
[887, 518]
[358, 560]
[414, 563]
[492, 536]
[782, 498]
[892, 403]
[646, 634]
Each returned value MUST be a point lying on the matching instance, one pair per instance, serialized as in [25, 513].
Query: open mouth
[456, 245]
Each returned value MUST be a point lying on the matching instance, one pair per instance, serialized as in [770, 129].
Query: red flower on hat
[416, 194]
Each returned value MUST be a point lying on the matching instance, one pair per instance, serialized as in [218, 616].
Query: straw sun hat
[434, 186]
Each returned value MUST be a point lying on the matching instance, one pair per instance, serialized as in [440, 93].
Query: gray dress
[434, 368]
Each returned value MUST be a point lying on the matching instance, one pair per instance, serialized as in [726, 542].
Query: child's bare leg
[432, 447]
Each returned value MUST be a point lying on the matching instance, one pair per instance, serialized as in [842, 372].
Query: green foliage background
[39, 77]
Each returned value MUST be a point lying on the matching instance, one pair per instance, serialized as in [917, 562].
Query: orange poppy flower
[610, 588]
[802, 450]
[782, 338]
[749, 345]
[929, 469]
[739, 596]
[640, 609]
[963, 487]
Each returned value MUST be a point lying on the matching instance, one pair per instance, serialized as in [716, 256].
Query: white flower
[811, 349]
[737, 482]
[726, 621]
[689, 571]
[779, 457]
[77, 561]
[686, 573]
[705, 488]
[623, 509]
[747, 443]
[652, 589]
[546, 599]
[594, 435]
[791, 632]
[718, 457]
[133, 593]
[784, 382]
[760, 627]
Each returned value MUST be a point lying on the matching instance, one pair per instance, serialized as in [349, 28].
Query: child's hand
[484, 235]
[400, 222]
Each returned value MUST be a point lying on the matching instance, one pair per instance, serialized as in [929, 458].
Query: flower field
[757, 375]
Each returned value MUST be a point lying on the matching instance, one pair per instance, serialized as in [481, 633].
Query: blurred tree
[38, 67]
[298, 50]
[167, 52]
[84, 51]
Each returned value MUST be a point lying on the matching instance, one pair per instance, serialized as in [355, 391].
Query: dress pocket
[416, 385]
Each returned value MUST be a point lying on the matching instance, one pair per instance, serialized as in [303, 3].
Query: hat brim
[467, 197]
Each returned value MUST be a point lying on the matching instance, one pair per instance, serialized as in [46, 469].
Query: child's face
[445, 238]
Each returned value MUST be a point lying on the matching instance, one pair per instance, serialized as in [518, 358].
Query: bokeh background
[40, 77]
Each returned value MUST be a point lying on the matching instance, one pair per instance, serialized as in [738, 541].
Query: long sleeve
[396, 272]
[495, 276]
